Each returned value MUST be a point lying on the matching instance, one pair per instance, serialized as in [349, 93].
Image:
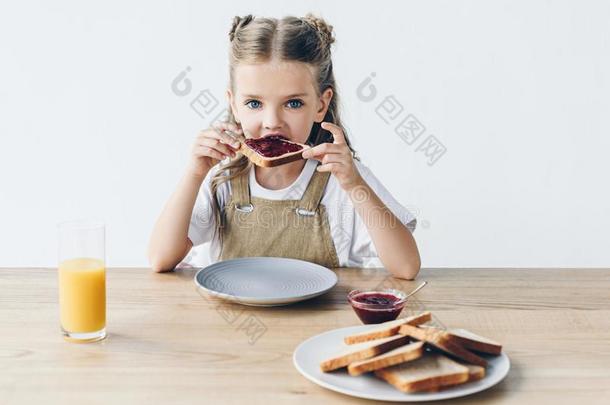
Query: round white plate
[309, 354]
[265, 281]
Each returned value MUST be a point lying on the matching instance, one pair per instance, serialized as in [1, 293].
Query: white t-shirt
[349, 233]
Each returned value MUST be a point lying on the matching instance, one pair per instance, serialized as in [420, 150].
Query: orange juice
[82, 295]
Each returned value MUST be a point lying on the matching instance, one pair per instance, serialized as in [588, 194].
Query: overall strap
[313, 193]
[240, 189]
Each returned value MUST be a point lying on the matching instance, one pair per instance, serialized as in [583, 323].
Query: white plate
[309, 354]
[265, 281]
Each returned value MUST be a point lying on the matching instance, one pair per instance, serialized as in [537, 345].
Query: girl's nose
[272, 121]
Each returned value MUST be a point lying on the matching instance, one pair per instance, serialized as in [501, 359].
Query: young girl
[327, 208]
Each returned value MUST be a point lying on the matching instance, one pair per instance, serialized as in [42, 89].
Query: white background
[518, 92]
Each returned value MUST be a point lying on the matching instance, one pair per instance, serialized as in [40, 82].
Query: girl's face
[277, 98]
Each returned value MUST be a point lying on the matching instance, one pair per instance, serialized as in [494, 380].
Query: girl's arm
[394, 243]
[169, 243]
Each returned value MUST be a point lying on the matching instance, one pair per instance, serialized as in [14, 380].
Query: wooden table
[168, 343]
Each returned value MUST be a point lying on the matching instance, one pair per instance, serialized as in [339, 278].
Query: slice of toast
[475, 373]
[389, 328]
[363, 351]
[474, 342]
[400, 355]
[247, 148]
[442, 341]
[430, 372]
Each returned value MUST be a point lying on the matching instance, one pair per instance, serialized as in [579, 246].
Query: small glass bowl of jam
[377, 306]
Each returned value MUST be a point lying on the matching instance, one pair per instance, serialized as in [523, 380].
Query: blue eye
[249, 104]
[299, 103]
[292, 104]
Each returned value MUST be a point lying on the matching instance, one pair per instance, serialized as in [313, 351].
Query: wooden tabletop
[169, 343]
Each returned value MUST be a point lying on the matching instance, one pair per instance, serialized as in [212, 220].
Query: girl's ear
[323, 103]
[231, 101]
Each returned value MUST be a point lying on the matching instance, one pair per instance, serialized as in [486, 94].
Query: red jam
[376, 299]
[376, 306]
[272, 146]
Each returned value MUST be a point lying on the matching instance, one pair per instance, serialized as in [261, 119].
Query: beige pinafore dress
[258, 227]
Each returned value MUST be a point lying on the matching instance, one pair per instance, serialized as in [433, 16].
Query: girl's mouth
[274, 134]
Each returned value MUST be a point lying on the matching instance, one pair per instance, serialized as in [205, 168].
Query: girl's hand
[336, 158]
[212, 145]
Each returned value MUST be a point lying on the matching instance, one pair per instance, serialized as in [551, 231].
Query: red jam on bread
[377, 306]
[272, 146]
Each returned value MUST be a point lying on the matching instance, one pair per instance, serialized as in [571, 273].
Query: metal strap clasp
[305, 213]
[244, 208]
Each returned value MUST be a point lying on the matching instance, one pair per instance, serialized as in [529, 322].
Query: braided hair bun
[238, 23]
[324, 30]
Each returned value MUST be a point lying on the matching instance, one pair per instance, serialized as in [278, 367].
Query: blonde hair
[258, 40]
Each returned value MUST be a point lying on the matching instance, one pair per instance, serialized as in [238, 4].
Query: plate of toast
[265, 281]
[404, 360]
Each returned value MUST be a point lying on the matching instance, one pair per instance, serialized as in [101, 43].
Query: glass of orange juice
[82, 280]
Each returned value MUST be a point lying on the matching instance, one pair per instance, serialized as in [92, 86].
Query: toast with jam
[272, 150]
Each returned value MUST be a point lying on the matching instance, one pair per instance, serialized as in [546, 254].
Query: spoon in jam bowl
[377, 306]
[422, 285]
